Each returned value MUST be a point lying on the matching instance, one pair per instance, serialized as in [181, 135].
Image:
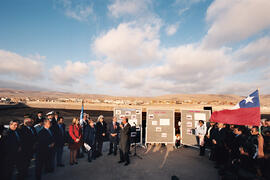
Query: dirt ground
[157, 163]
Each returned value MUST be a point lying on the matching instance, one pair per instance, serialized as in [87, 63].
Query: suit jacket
[60, 137]
[125, 138]
[44, 139]
[28, 139]
[100, 130]
[11, 144]
[54, 128]
[89, 135]
[111, 130]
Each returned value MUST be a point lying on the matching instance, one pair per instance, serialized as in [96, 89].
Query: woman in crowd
[75, 132]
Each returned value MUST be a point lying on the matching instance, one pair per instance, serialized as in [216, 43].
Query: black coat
[28, 139]
[100, 129]
[11, 144]
[60, 137]
[44, 139]
[111, 130]
[124, 142]
[89, 135]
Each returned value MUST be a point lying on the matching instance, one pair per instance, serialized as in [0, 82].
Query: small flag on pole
[246, 112]
[81, 115]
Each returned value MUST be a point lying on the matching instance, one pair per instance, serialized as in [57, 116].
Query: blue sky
[135, 47]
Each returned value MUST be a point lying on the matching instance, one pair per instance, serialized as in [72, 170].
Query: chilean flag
[246, 112]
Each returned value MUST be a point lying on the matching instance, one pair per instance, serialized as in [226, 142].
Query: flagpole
[260, 127]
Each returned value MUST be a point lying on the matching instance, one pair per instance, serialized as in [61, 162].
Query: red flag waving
[246, 113]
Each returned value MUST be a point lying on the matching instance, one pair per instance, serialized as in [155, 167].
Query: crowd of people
[41, 140]
[239, 152]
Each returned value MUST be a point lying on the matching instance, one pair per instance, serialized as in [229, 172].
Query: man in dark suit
[60, 141]
[55, 131]
[124, 141]
[45, 149]
[113, 131]
[89, 137]
[28, 138]
[12, 150]
[101, 129]
[39, 118]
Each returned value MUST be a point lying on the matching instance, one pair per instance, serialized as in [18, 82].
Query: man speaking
[124, 141]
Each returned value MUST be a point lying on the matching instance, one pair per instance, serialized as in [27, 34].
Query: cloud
[257, 53]
[182, 11]
[129, 44]
[129, 7]
[19, 66]
[70, 74]
[232, 21]
[80, 10]
[184, 69]
[172, 29]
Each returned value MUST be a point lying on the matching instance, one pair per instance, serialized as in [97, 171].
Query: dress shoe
[109, 153]
[120, 162]
[75, 162]
[126, 164]
[60, 165]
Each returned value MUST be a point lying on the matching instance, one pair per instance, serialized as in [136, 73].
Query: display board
[134, 119]
[189, 120]
[134, 115]
[160, 126]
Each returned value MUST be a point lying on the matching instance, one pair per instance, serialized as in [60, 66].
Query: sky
[136, 47]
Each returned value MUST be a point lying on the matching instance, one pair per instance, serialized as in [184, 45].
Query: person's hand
[241, 150]
[51, 145]
[103, 134]
[77, 140]
[214, 141]
[121, 126]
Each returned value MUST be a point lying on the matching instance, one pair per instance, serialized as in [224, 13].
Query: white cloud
[185, 69]
[77, 9]
[182, 11]
[19, 66]
[129, 45]
[129, 7]
[70, 74]
[235, 20]
[172, 29]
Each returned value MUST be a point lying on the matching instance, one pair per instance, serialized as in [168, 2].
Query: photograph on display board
[117, 112]
[189, 124]
[164, 122]
[134, 116]
[154, 123]
[164, 135]
[189, 117]
[138, 111]
[151, 116]
[200, 116]
[158, 129]
[128, 113]
[189, 131]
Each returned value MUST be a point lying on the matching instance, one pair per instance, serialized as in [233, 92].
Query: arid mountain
[265, 99]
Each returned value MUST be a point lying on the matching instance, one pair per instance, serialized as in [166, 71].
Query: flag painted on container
[246, 112]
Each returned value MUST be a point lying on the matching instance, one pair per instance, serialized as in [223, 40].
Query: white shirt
[200, 130]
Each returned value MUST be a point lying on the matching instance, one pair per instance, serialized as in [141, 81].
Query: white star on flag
[249, 99]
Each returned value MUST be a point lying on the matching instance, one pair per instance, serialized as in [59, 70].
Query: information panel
[134, 115]
[160, 126]
[134, 119]
[189, 120]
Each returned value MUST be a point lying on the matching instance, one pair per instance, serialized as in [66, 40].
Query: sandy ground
[157, 163]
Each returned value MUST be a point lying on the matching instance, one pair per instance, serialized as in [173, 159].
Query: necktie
[31, 130]
[61, 129]
[50, 132]
[17, 136]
